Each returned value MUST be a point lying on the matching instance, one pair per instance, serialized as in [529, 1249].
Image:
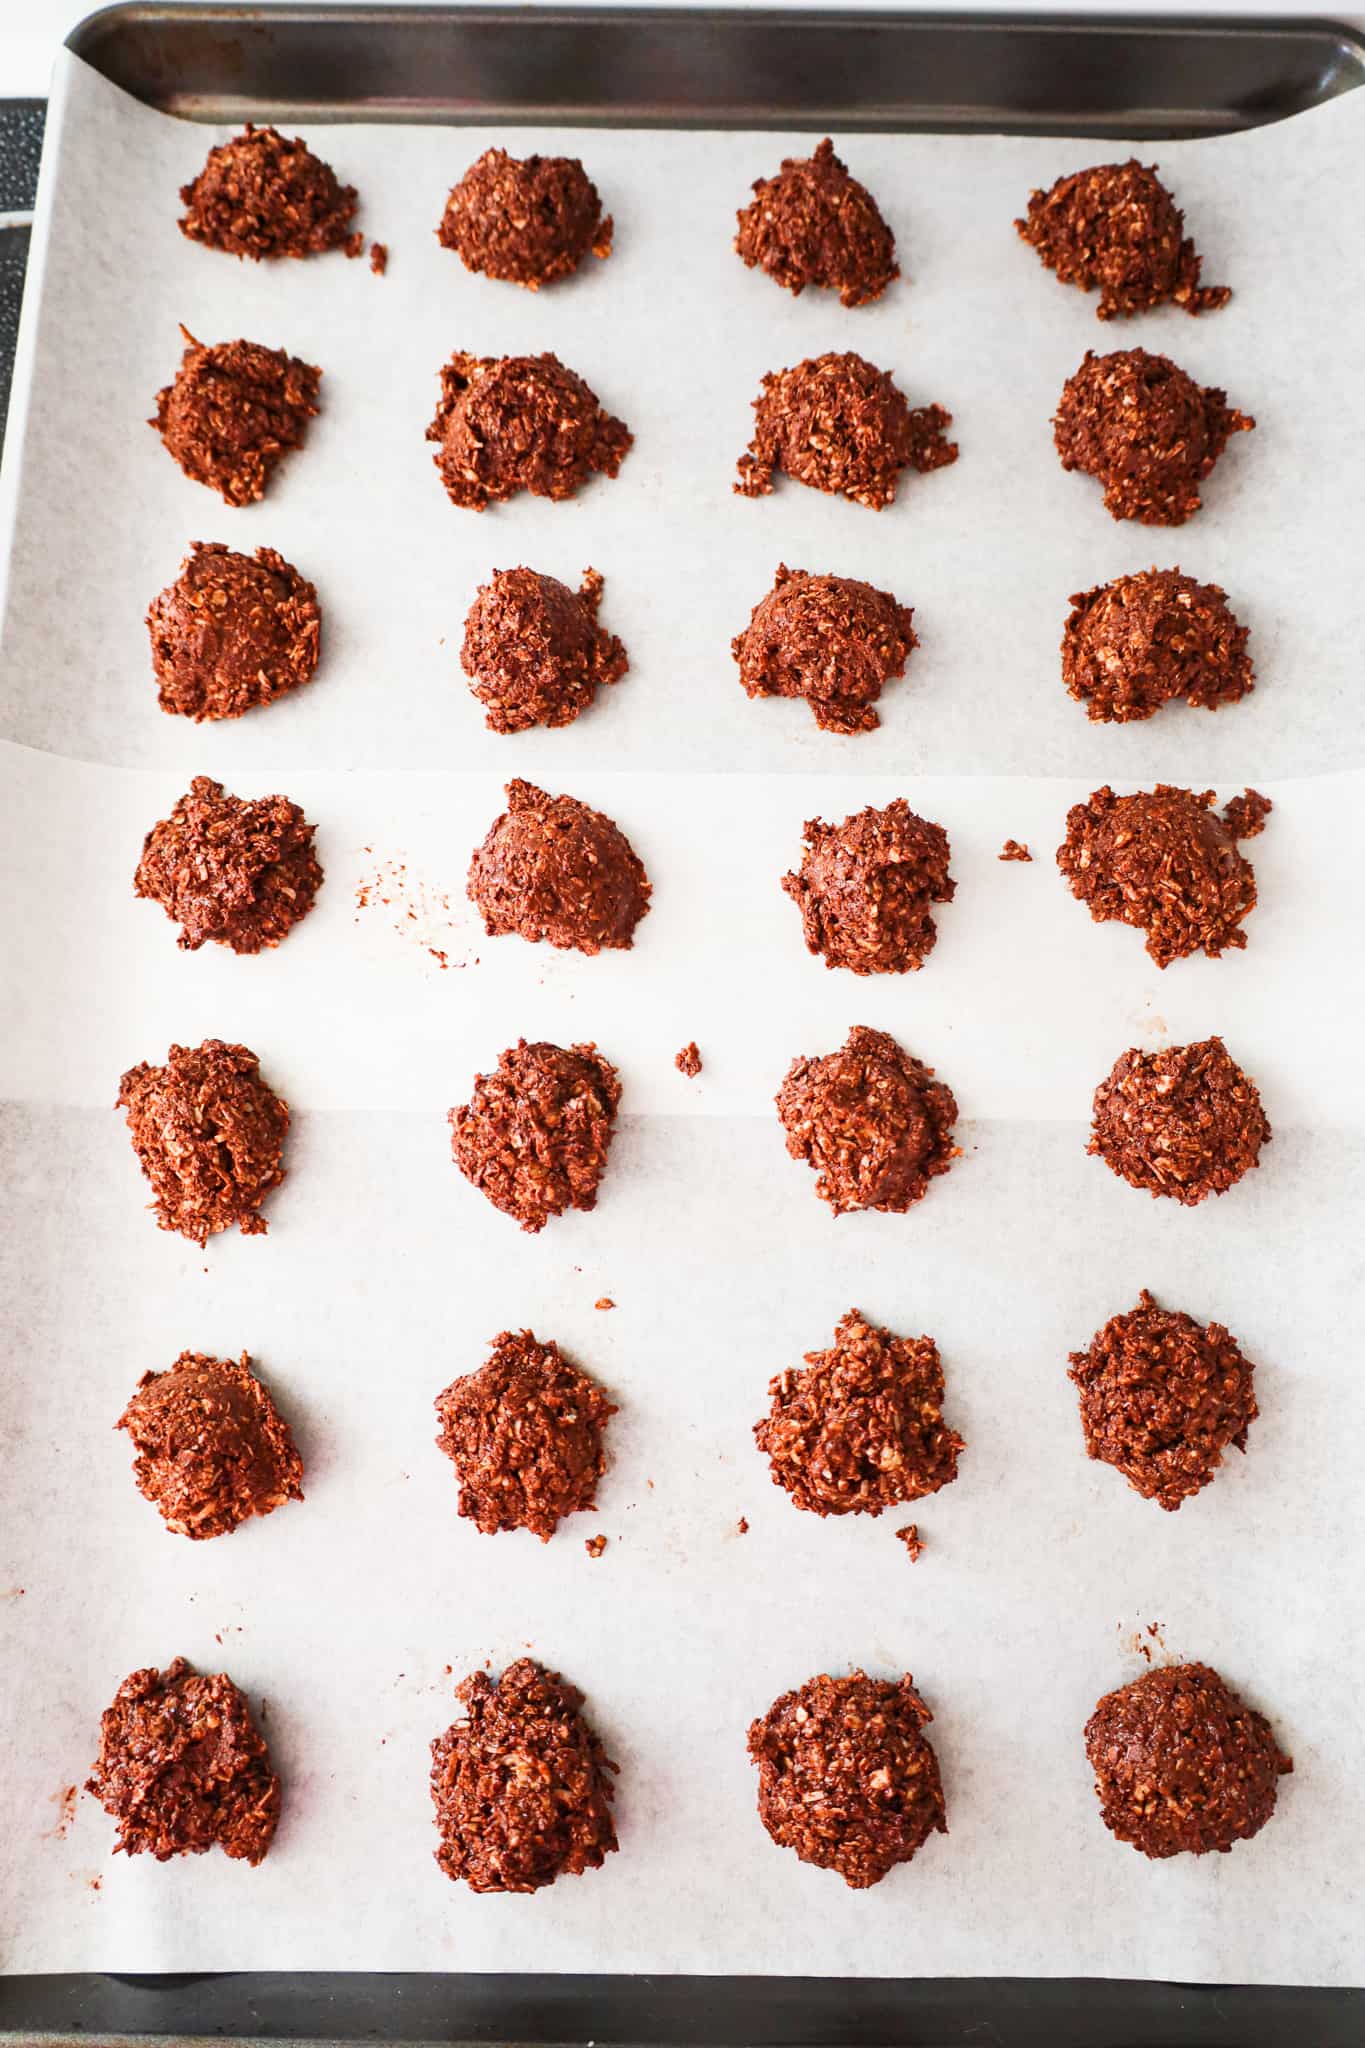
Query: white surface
[384, 1274]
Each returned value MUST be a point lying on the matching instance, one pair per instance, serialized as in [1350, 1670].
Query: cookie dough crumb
[1144, 429]
[1186, 1122]
[688, 1061]
[1115, 229]
[212, 1447]
[910, 1537]
[595, 1545]
[520, 423]
[241, 872]
[232, 632]
[524, 1434]
[379, 258]
[871, 1121]
[1161, 1399]
[261, 196]
[1142, 641]
[1182, 1764]
[864, 889]
[604, 1302]
[839, 424]
[1014, 849]
[1245, 815]
[534, 652]
[815, 225]
[525, 220]
[182, 1765]
[233, 412]
[209, 1136]
[553, 869]
[831, 639]
[847, 1778]
[521, 1785]
[354, 245]
[534, 1135]
[742, 1526]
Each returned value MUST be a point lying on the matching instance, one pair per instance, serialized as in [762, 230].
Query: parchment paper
[1045, 1581]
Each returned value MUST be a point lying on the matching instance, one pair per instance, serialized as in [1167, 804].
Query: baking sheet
[384, 1274]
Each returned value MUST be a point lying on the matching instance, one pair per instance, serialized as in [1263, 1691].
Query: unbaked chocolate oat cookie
[864, 888]
[1182, 1763]
[1115, 229]
[234, 411]
[524, 1434]
[1161, 1399]
[534, 651]
[1143, 428]
[1186, 1122]
[861, 1428]
[212, 1447]
[237, 870]
[232, 632]
[526, 220]
[871, 1121]
[1165, 861]
[209, 1136]
[830, 639]
[182, 1765]
[814, 224]
[839, 424]
[535, 1134]
[520, 423]
[1142, 641]
[259, 195]
[846, 1776]
[553, 868]
[522, 1786]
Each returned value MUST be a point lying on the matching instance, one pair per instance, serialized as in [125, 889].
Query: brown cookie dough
[830, 639]
[232, 632]
[526, 220]
[259, 195]
[520, 423]
[1186, 1122]
[910, 1537]
[242, 872]
[1014, 849]
[864, 889]
[1161, 1399]
[847, 1777]
[182, 1765]
[1144, 429]
[839, 424]
[212, 1448]
[524, 1434]
[862, 1428]
[1182, 1764]
[521, 1786]
[1142, 641]
[379, 258]
[552, 868]
[1115, 229]
[535, 1134]
[814, 224]
[534, 652]
[209, 1136]
[688, 1061]
[871, 1121]
[234, 411]
[1165, 861]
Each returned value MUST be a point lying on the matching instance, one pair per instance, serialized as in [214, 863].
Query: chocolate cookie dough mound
[1182, 1764]
[212, 1448]
[1186, 1123]
[1115, 229]
[813, 224]
[223, 867]
[839, 424]
[234, 411]
[552, 868]
[182, 1765]
[864, 889]
[1145, 430]
[830, 639]
[232, 632]
[871, 1121]
[847, 1777]
[526, 220]
[524, 1434]
[534, 652]
[1161, 1399]
[1142, 641]
[521, 1786]
[862, 1428]
[520, 423]
[535, 1134]
[259, 195]
[209, 1136]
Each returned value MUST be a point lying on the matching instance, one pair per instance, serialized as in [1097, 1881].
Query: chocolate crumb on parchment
[831, 639]
[1182, 1764]
[1115, 229]
[553, 869]
[1186, 1122]
[237, 870]
[1143, 428]
[379, 258]
[232, 632]
[182, 1765]
[535, 1134]
[688, 1060]
[354, 245]
[839, 424]
[524, 1434]
[212, 1448]
[234, 410]
[521, 1785]
[1142, 641]
[864, 888]
[534, 651]
[262, 196]
[871, 1121]
[520, 423]
[1161, 1399]
[847, 1778]
[209, 1136]
[595, 1545]
[815, 225]
[525, 220]
[1014, 849]
[910, 1537]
